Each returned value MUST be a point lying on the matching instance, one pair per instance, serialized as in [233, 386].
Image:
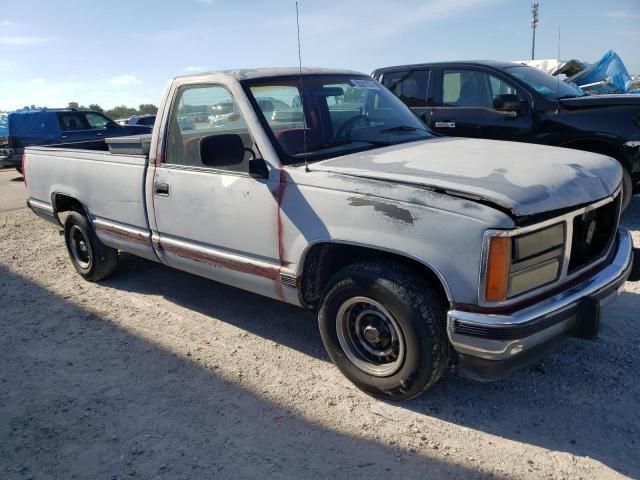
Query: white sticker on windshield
[364, 83]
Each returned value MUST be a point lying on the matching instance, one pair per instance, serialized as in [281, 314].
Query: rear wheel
[384, 328]
[91, 258]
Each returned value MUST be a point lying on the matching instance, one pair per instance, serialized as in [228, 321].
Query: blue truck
[33, 127]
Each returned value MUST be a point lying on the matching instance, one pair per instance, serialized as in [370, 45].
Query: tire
[384, 328]
[627, 189]
[91, 258]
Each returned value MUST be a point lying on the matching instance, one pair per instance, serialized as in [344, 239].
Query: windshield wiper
[340, 143]
[402, 128]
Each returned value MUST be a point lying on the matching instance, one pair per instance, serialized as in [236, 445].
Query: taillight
[24, 173]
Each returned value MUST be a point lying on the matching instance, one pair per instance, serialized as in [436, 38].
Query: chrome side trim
[567, 220]
[46, 207]
[129, 233]
[220, 259]
[43, 210]
[553, 306]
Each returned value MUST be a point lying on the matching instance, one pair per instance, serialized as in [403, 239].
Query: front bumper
[491, 346]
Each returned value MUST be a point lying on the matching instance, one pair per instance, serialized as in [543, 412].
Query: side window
[70, 121]
[409, 86]
[202, 111]
[500, 87]
[97, 121]
[472, 88]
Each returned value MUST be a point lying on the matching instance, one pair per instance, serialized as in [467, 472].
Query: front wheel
[384, 328]
[91, 258]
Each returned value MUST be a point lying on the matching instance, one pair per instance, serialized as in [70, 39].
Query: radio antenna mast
[558, 75]
[304, 120]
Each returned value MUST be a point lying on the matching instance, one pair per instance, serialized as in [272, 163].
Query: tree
[147, 108]
[96, 108]
[121, 111]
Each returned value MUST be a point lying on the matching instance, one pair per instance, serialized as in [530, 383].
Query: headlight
[521, 263]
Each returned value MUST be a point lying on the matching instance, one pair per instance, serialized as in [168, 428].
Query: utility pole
[534, 24]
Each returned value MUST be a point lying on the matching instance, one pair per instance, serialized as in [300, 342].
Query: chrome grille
[593, 232]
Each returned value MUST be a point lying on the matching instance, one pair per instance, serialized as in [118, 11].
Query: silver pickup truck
[319, 188]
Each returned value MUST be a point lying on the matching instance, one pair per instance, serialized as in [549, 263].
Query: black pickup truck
[510, 101]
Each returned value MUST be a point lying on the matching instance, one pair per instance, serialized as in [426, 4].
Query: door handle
[161, 189]
[446, 124]
[99, 134]
[63, 136]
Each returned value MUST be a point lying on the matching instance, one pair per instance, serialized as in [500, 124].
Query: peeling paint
[402, 215]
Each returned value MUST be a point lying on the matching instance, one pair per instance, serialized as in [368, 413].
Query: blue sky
[123, 52]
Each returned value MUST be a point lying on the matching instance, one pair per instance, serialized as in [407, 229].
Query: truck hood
[591, 101]
[523, 179]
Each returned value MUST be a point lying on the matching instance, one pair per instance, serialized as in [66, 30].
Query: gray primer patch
[387, 209]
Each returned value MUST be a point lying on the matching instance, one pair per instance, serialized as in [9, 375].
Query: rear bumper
[491, 346]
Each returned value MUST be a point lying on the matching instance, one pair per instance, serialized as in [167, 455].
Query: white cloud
[22, 40]
[36, 81]
[5, 23]
[623, 14]
[196, 68]
[125, 80]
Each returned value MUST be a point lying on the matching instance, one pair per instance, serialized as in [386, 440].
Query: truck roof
[254, 73]
[488, 63]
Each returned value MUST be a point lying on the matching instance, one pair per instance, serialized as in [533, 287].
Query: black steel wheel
[91, 258]
[384, 328]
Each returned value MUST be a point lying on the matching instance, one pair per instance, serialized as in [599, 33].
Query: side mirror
[258, 168]
[507, 102]
[222, 150]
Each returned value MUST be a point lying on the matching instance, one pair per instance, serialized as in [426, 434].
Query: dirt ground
[160, 374]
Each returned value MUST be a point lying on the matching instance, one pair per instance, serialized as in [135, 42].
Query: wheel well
[65, 203]
[323, 260]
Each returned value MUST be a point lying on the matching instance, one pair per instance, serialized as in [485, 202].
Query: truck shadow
[83, 398]
[270, 319]
[546, 405]
[583, 400]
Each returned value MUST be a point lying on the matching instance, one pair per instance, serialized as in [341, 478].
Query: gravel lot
[160, 374]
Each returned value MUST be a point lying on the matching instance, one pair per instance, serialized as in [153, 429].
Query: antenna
[304, 120]
[558, 75]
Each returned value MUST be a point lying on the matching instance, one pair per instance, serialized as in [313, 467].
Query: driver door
[214, 221]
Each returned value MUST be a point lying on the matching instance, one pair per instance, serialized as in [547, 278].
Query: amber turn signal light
[498, 263]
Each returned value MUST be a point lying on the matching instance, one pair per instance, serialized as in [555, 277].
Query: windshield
[549, 86]
[323, 116]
